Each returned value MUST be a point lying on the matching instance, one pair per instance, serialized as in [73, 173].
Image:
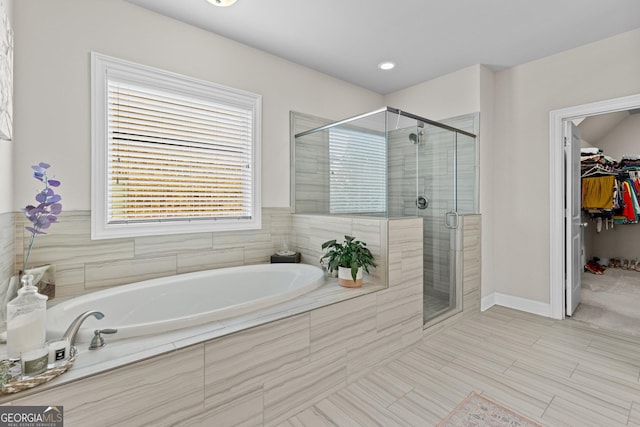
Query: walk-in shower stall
[391, 163]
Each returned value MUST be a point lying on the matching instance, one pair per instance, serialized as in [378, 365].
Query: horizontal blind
[174, 157]
[358, 171]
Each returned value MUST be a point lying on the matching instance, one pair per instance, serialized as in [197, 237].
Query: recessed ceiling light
[386, 65]
[222, 3]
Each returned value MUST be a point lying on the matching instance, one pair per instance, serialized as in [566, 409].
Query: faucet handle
[97, 341]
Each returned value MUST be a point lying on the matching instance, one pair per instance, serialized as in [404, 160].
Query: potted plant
[349, 258]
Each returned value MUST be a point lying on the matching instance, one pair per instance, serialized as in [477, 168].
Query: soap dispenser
[26, 314]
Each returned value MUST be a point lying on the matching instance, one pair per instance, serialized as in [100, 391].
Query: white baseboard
[517, 303]
[487, 302]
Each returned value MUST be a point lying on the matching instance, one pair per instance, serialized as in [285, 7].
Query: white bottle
[26, 315]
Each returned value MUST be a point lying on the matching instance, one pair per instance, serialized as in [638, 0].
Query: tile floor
[559, 373]
[611, 300]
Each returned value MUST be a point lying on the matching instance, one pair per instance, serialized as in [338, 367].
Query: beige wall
[6, 195]
[487, 188]
[53, 41]
[448, 96]
[6, 147]
[524, 97]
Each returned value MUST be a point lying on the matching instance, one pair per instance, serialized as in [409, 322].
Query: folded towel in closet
[597, 158]
[597, 192]
[629, 163]
[590, 150]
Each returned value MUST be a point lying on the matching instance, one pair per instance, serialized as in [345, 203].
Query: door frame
[557, 187]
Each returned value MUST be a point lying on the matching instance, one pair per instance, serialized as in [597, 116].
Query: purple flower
[47, 210]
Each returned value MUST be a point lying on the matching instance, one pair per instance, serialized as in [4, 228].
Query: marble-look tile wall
[471, 262]
[467, 162]
[311, 161]
[84, 265]
[264, 375]
[312, 173]
[429, 166]
[138, 394]
[309, 232]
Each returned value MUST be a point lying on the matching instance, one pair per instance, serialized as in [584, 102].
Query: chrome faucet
[75, 325]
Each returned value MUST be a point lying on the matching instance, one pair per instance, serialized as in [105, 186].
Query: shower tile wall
[310, 231]
[467, 162]
[430, 178]
[84, 265]
[311, 165]
[471, 262]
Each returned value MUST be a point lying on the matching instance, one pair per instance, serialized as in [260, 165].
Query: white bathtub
[170, 303]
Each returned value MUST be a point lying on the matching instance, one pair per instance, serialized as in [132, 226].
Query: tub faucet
[75, 325]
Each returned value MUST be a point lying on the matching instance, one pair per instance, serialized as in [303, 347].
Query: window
[171, 154]
[358, 179]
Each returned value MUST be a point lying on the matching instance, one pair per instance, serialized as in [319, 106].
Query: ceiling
[425, 38]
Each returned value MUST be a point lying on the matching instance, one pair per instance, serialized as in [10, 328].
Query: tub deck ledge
[119, 353]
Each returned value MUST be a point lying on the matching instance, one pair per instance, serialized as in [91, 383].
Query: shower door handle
[456, 220]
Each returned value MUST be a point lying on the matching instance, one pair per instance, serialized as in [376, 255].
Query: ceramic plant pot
[345, 279]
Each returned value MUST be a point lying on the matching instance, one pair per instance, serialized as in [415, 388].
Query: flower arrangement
[47, 210]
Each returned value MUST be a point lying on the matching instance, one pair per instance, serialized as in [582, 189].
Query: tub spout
[75, 325]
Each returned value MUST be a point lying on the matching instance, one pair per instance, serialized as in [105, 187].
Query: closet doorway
[567, 257]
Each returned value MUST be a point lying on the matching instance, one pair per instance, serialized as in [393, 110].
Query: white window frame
[102, 67]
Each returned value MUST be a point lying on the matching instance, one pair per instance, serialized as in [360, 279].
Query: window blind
[172, 157]
[358, 171]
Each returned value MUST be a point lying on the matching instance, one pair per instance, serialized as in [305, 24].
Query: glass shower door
[437, 204]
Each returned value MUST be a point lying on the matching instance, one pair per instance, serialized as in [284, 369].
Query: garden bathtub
[181, 301]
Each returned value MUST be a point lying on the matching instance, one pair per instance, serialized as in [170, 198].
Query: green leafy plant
[351, 254]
